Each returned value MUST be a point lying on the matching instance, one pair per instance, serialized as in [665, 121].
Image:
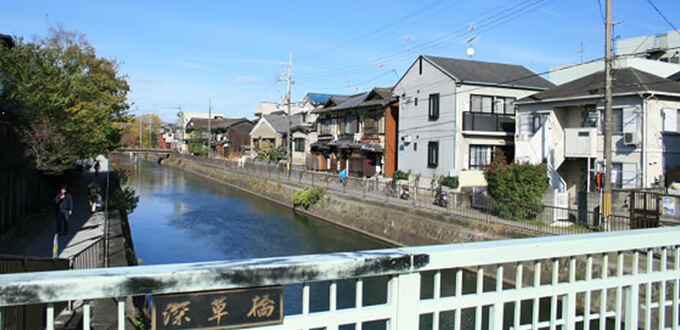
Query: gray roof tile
[468, 71]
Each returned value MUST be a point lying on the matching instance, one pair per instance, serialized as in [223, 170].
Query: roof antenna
[470, 50]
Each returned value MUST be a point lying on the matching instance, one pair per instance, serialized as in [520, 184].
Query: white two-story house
[562, 127]
[455, 113]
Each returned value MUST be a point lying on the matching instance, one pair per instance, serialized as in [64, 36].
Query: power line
[494, 20]
[663, 16]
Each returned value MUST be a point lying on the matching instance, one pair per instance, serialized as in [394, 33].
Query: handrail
[42, 287]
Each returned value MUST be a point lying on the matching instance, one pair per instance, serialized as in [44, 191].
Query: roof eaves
[505, 85]
[440, 68]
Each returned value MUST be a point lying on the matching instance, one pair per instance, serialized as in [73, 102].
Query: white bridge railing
[549, 282]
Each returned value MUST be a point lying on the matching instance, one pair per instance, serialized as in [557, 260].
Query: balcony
[488, 122]
[580, 142]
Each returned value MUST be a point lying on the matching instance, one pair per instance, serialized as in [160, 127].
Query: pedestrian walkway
[83, 226]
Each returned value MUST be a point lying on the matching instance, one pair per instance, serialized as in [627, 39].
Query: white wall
[651, 158]
[561, 75]
[413, 120]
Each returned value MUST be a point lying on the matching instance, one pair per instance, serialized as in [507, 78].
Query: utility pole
[607, 196]
[289, 80]
[209, 126]
[141, 131]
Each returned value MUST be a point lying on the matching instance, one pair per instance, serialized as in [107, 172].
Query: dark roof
[280, 121]
[625, 81]
[215, 123]
[378, 96]
[488, 73]
[675, 76]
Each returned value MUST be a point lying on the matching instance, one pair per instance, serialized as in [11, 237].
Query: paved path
[83, 227]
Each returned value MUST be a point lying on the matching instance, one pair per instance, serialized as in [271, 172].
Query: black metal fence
[28, 316]
[541, 219]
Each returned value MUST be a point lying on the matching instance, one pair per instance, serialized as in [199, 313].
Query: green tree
[515, 190]
[199, 141]
[64, 98]
[267, 151]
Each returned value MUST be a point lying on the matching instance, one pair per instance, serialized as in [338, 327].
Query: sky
[231, 52]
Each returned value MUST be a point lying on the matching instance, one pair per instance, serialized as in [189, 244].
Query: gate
[644, 209]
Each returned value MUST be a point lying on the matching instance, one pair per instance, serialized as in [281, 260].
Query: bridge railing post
[403, 294]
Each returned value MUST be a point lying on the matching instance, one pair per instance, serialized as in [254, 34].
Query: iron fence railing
[608, 280]
[541, 219]
[92, 256]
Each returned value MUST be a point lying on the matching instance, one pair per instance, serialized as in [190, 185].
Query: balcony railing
[488, 122]
[547, 282]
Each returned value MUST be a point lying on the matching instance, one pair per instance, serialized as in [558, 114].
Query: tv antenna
[470, 41]
[408, 42]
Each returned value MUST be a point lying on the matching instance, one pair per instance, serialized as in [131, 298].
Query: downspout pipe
[643, 147]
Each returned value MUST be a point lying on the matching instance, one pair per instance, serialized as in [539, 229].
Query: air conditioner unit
[335, 137]
[406, 138]
[631, 138]
[357, 137]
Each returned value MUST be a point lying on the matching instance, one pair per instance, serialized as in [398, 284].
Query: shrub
[400, 175]
[449, 181]
[124, 200]
[515, 190]
[307, 197]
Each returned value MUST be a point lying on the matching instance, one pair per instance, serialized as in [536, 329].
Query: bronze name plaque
[223, 309]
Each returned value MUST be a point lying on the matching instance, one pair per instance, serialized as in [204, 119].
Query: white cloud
[248, 80]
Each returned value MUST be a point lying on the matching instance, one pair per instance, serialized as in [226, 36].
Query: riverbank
[392, 222]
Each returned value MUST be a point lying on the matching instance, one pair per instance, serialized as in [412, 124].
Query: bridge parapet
[429, 284]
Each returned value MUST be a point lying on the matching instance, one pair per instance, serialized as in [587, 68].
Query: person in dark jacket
[64, 206]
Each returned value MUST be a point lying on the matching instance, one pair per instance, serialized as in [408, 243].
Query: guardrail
[92, 256]
[543, 220]
[606, 280]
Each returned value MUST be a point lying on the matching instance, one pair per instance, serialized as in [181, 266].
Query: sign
[223, 309]
[668, 205]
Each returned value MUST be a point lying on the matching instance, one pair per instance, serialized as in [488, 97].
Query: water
[184, 217]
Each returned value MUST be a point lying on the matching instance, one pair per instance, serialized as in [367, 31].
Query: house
[274, 128]
[357, 133]
[229, 136]
[455, 113]
[166, 138]
[562, 127]
[183, 118]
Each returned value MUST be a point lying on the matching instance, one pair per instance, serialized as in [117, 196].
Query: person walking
[64, 209]
[96, 168]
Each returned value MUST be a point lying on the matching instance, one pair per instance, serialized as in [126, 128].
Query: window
[326, 126]
[415, 146]
[671, 120]
[589, 117]
[370, 125]
[432, 154]
[492, 104]
[617, 121]
[537, 121]
[617, 175]
[420, 65]
[351, 125]
[433, 109]
[415, 102]
[504, 106]
[480, 156]
[299, 145]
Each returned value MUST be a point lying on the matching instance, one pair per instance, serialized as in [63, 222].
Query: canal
[184, 217]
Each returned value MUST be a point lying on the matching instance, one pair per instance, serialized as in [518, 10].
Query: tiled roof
[625, 81]
[510, 75]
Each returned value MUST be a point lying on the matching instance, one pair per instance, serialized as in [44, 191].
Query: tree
[516, 190]
[151, 124]
[66, 99]
[199, 141]
[267, 151]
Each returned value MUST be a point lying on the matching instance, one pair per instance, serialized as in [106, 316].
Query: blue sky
[179, 52]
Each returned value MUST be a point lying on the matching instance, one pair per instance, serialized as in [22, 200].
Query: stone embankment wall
[397, 224]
